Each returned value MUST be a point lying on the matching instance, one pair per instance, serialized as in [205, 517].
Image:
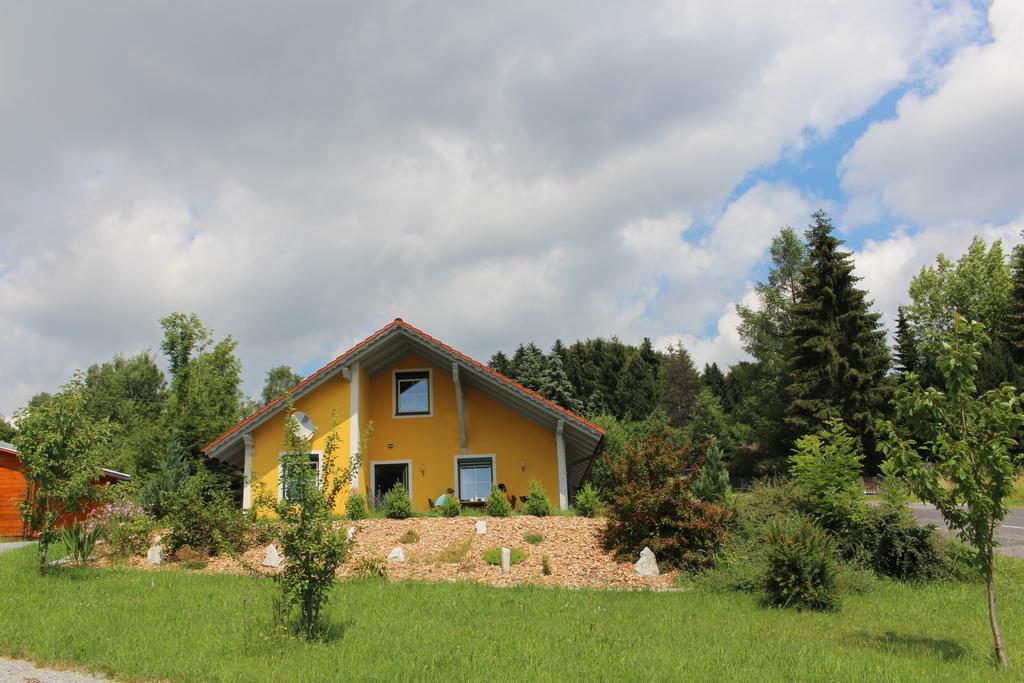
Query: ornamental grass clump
[79, 541]
[801, 566]
[537, 503]
[651, 505]
[497, 506]
[493, 556]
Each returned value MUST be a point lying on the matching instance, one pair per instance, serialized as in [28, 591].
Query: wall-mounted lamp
[423, 468]
[522, 465]
[391, 444]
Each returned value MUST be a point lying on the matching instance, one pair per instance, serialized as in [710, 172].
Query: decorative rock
[506, 560]
[396, 555]
[155, 554]
[647, 565]
[351, 532]
[481, 526]
[272, 557]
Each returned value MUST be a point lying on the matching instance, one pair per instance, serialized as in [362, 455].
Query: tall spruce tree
[714, 378]
[499, 362]
[905, 354]
[555, 385]
[681, 386]
[529, 366]
[636, 393]
[839, 353]
[1015, 325]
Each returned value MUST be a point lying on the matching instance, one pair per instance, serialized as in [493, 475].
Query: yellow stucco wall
[523, 450]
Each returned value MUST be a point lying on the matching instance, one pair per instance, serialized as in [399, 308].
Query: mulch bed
[449, 549]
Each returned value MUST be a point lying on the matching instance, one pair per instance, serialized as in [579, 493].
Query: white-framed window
[288, 477]
[412, 393]
[474, 476]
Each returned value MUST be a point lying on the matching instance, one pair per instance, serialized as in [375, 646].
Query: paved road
[13, 545]
[1010, 534]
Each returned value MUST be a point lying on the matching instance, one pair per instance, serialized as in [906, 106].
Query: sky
[490, 172]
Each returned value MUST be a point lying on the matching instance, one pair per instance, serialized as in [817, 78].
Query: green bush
[533, 538]
[124, 525]
[537, 502]
[396, 502]
[450, 507]
[893, 545]
[826, 469]
[493, 556]
[355, 506]
[588, 502]
[801, 568]
[203, 515]
[497, 506]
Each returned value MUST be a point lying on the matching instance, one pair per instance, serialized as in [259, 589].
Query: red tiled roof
[398, 322]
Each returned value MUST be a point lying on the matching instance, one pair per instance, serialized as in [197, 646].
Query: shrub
[493, 556]
[652, 506]
[450, 507]
[80, 541]
[712, 482]
[396, 502]
[497, 506]
[371, 567]
[545, 565]
[124, 525]
[801, 569]
[533, 538]
[588, 502]
[537, 503]
[893, 545]
[826, 469]
[203, 515]
[409, 536]
[355, 506]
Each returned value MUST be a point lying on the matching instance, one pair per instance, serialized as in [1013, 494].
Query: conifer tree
[1015, 325]
[714, 378]
[839, 353]
[499, 362]
[529, 369]
[555, 386]
[636, 393]
[905, 354]
[681, 386]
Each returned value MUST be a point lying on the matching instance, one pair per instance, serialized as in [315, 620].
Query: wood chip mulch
[573, 544]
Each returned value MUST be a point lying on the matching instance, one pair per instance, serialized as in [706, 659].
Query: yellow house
[440, 420]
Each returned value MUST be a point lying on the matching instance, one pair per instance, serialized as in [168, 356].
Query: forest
[817, 350]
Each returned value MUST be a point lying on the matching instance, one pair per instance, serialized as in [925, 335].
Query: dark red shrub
[652, 506]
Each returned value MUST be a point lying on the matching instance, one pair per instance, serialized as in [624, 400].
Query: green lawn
[174, 625]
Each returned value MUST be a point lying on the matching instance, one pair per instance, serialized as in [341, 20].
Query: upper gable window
[412, 392]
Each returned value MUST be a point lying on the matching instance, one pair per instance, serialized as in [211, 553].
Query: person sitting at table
[443, 497]
[508, 496]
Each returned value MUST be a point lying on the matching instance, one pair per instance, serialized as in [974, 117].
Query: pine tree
[1015, 326]
[714, 379]
[681, 386]
[499, 362]
[905, 354]
[529, 369]
[636, 390]
[839, 353]
[555, 386]
[712, 483]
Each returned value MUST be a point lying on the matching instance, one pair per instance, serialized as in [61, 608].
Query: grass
[455, 553]
[409, 536]
[179, 626]
[533, 538]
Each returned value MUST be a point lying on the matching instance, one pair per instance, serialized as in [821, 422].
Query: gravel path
[15, 670]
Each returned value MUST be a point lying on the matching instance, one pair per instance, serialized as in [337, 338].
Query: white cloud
[490, 173]
[955, 153]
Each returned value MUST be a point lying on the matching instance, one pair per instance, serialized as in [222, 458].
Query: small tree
[57, 443]
[826, 468]
[712, 482]
[955, 449]
[313, 547]
[537, 503]
[497, 506]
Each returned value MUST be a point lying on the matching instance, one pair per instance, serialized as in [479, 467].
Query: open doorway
[385, 475]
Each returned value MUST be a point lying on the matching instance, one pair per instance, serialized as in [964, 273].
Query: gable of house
[439, 420]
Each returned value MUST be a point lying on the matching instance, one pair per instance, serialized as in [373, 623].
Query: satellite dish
[306, 427]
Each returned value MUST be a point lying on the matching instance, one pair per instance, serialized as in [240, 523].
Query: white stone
[506, 560]
[647, 565]
[155, 554]
[272, 558]
[396, 555]
[351, 532]
[481, 527]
